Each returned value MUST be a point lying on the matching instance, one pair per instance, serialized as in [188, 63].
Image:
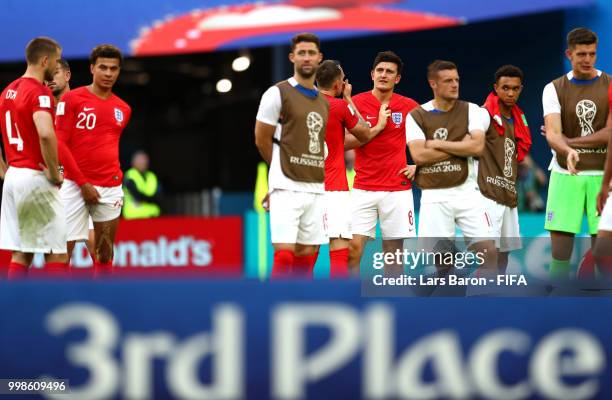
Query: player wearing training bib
[507, 142]
[575, 113]
[32, 217]
[90, 120]
[342, 116]
[382, 192]
[444, 135]
[290, 136]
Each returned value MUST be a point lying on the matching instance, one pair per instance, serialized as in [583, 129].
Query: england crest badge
[397, 118]
[118, 115]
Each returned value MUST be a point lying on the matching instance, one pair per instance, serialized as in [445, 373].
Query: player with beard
[382, 190]
[32, 218]
[290, 136]
[60, 85]
[343, 115]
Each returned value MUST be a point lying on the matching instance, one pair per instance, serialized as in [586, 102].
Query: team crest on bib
[118, 115]
[397, 118]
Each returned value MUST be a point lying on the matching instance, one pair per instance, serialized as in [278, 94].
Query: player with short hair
[90, 120]
[290, 136]
[507, 142]
[444, 135]
[60, 85]
[382, 191]
[575, 113]
[332, 83]
[32, 217]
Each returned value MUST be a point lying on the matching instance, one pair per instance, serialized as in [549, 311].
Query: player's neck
[308, 83]
[98, 91]
[383, 97]
[585, 77]
[62, 93]
[328, 92]
[35, 73]
[443, 104]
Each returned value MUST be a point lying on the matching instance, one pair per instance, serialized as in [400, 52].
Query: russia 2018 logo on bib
[397, 118]
[118, 115]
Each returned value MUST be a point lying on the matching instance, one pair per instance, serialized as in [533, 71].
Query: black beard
[49, 75]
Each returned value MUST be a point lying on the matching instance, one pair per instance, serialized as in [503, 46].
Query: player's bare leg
[356, 247]
[562, 244]
[305, 259]
[91, 243]
[338, 257]
[105, 238]
[602, 252]
[392, 246]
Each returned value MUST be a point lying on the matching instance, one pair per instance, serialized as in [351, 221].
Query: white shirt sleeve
[478, 118]
[270, 106]
[550, 100]
[413, 131]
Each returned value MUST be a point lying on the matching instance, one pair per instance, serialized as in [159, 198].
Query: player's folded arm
[422, 155]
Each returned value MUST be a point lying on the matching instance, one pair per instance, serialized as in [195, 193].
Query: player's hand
[265, 202]
[383, 115]
[347, 90]
[572, 160]
[55, 177]
[601, 199]
[409, 171]
[90, 194]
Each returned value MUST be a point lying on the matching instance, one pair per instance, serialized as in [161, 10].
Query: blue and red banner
[157, 27]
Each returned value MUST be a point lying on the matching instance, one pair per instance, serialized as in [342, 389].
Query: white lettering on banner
[223, 345]
[181, 252]
[566, 363]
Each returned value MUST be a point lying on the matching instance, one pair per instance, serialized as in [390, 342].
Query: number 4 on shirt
[9, 132]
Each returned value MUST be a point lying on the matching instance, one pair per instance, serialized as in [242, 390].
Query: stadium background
[201, 147]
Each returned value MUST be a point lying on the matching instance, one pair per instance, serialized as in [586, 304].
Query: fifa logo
[314, 122]
[586, 111]
[509, 148]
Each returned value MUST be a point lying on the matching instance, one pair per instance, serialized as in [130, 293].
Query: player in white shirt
[447, 207]
[575, 112]
[297, 208]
